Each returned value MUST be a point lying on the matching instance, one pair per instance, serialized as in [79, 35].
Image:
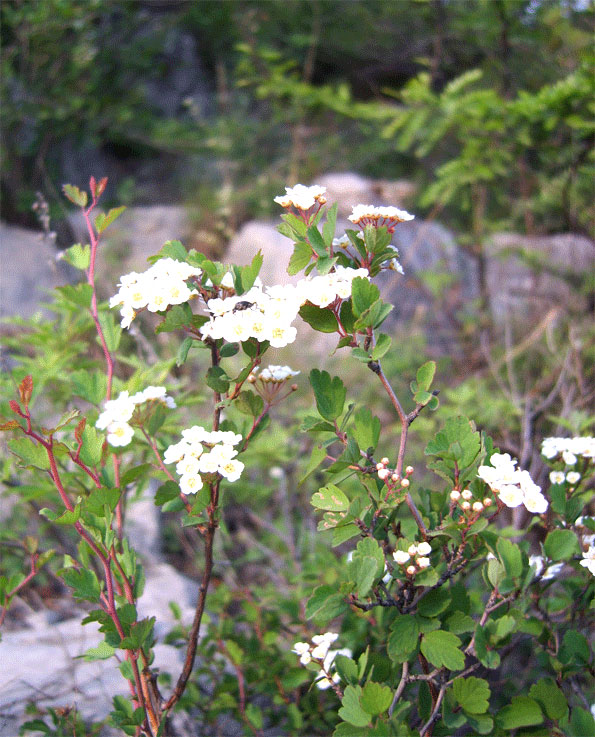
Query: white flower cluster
[203, 452]
[363, 215]
[161, 285]
[569, 449]
[302, 197]
[266, 313]
[464, 499]
[559, 477]
[118, 411]
[588, 560]
[273, 374]
[261, 313]
[419, 552]
[320, 651]
[589, 537]
[513, 486]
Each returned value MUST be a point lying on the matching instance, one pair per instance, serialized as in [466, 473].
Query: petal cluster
[200, 452]
[273, 374]
[319, 651]
[363, 215]
[513, 486]
[588, 560]
[302, 197]
[161, 285]
[118, 412]
[416, 556]
[569, 449]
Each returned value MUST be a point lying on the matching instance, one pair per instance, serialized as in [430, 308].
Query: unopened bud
[383, 473]
[477, 506]
[379, 466]
[321, 200]
[384, 461]
[405, 483]
[410, 570]
[409, 470]
[423, 562]
[294, 387]
[466, 505]
[467, 494]
[395, 477]
[455, 494]
[487, 502]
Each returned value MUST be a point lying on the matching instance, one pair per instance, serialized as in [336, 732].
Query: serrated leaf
[366, 430]
[442, 649]
[92, 447]
[75, 195]
[523, 711]
[403, 639]
[561, 545]
[217, 379]
[185, 346]
[329, 394]
[249, 403]
[78, 294]
[103, 651]
[91, 386]
[383, 343]
[472, 693]
[510, 555]
[302, 253]
[425, 375]
[29, 453]
[102, 221]
[317, 456]
[325, 603]
[318, 318]
[78, 256]
[375, 698]
[363, 295]
[551, 698]
[112, 332]
[330, 498]
[166, 492]
[83, 582]
[351, 710]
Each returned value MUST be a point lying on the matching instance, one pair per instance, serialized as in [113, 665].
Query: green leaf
[249, 403]
[254, 715]
[510, 555]
[166, 492]
[75, 195]
[170, 249]
[362, 570]
[370, 547]
[90, 386]
[481, 723]
[103, 651]
[383, 343]
[551, 698]
[92, 446]
[366, 430]
[582, 723]
[78, 256]
[316, 240]
[78, 294]
[84, 583]
[363, 295]
[575, 648]
[346, 668]
[29, 453]
[487, 657]
[302, 253]
[102, 221]
[329, 393]
[325, 603]
[442, 649]
[112, 332]
[101, 498]
[473, 694]
[183, 350]
[425, 375]
[375, 698]
[176, 317]
[331, 498]
[217, 379]
[328, 229]
[434, 602]
[351, 710]
[523, 711]
[403, 639]
[317, 457]
[249, 273]
[561, 545]
[318, 318]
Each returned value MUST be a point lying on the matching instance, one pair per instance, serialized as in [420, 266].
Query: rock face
[29, 269]
[518, 290]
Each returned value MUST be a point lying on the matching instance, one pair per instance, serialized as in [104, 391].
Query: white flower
[424, 548]
[422, 562]
[588, 560]
[511, 495]
[231, 470]
[227, 280]
[535, 503]
[176, 452]
[324, 682]
[573, 477]
[401, 557]
[190, 483]
[370, 215]
[119, 434]
[569, 458]
[300, 196]
[303, 650]
[188, 466]
[412, 549]
[342, 241]
[557, 477]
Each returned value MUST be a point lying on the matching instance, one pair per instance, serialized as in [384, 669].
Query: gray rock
[29, 270]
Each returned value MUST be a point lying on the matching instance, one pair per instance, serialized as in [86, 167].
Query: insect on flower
[243, 305]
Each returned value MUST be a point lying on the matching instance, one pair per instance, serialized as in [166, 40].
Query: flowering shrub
[451, 620]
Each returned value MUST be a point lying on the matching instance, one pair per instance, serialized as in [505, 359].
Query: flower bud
[405, 483]
[467, 494]
[409, 470]
[466, 505]
[412, 549]
[423, 562]
[383, 474]
[487, 502]
[477, 506]
[294, 387]
[455, 494]
[401, 557]
[424, 548]
[384, 461]
[411, 570]
[379, 466]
